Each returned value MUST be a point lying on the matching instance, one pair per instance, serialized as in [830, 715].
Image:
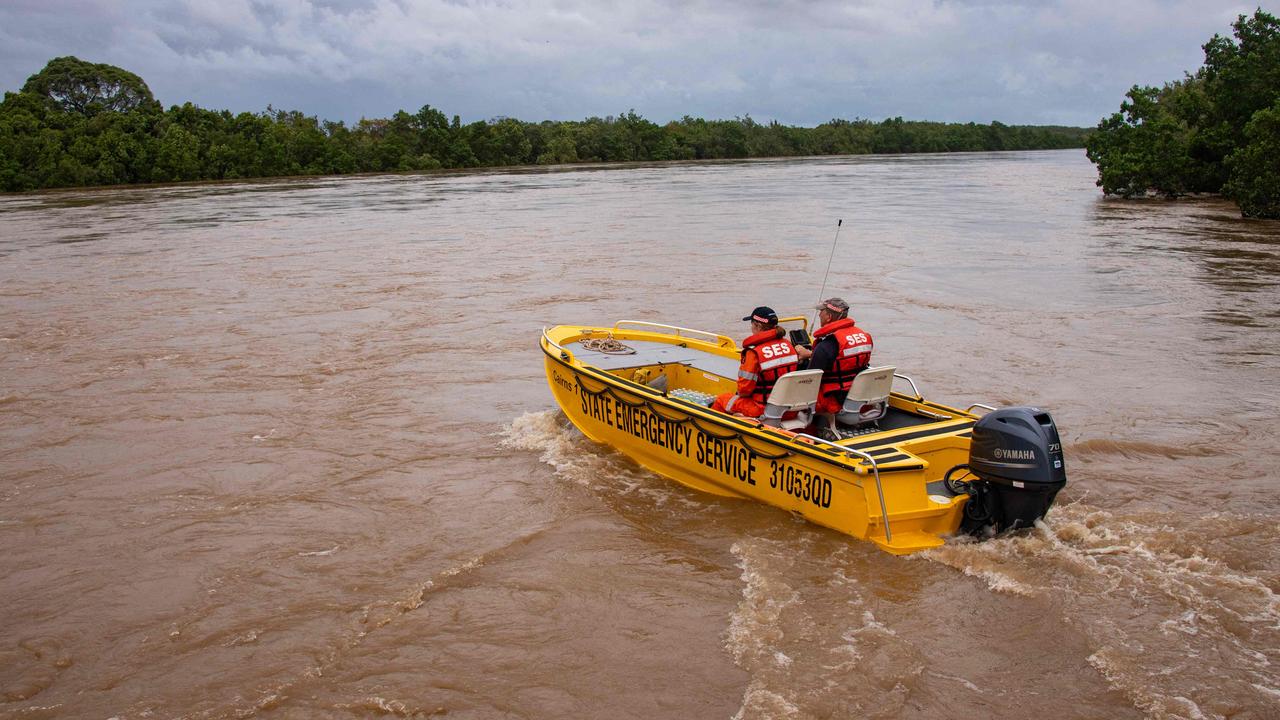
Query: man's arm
[824, 354]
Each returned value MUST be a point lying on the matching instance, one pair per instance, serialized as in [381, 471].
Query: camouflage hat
[835, 305]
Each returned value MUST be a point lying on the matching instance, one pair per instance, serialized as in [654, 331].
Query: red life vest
[776, 357]
[853, 354]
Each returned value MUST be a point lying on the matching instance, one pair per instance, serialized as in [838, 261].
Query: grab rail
[984, 406]
[722, 340]
[564, 354]
[884, 510]
[804, 321]
[914, 389]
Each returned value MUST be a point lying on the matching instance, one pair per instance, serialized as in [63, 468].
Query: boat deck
[884, 440]
[648, 352]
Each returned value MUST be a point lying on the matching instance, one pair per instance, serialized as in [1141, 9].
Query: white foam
[1186, 624]
[555, 441]
[245, 639]
[319, 553]
[754, 623]
[960, 680]
[578, 460]
[759, 701]
[982, 561]
[1273, 692]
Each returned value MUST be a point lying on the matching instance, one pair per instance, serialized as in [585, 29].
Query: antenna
[823, 291]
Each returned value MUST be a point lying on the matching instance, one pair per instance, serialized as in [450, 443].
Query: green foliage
[1255, 168]
[1214, 131]
[76, 123]
[74, 85]
[1243, 75]
[1148, 145]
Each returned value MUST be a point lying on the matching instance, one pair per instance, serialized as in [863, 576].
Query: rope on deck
[608, 346]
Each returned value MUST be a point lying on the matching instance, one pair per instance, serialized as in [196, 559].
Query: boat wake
[1173, 612]
[1171, 608]
[580, 461]
[839, 661]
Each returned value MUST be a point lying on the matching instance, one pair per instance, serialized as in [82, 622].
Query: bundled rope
[608, 345]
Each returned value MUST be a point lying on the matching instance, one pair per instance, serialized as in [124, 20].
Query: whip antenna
[823, 291]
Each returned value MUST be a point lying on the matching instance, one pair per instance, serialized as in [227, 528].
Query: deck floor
[648, 352]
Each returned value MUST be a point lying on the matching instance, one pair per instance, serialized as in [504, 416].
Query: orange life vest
[853, 354]
[775, 357]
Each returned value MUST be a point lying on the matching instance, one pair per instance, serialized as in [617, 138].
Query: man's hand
[804, 352]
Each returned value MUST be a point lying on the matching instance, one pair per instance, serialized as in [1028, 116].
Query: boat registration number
[800, 484]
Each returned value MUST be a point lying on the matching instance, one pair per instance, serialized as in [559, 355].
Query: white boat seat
[868, 399]
[796, 392]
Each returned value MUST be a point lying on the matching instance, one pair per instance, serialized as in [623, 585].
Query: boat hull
[738, 457]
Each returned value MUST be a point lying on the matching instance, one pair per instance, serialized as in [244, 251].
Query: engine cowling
[1016, 455]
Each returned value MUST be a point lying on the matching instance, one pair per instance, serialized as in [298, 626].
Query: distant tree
[74, 85]
[1214, 131]
[560, 148]
[1242, 75]
[1145, 147]
[509, 145]
[1255, 168]
[79, 123]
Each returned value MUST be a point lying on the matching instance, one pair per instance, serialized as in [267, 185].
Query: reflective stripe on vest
[777, 358]
[771, 370]
[792, 358]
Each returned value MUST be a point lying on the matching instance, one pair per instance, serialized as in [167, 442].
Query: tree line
[1215, 131]
[76, 123]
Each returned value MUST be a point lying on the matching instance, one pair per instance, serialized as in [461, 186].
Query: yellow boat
[905, 481]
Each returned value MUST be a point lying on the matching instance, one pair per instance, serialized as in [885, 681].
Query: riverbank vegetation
[76, 123]
[1217, 131]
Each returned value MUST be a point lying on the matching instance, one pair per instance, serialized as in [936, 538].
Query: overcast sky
[799, 62]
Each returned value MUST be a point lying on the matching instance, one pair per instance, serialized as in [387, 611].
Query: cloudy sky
[800, 62]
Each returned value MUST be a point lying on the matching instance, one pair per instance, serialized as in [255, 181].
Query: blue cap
[763, 314]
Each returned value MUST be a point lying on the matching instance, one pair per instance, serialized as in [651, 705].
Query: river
[285, 449]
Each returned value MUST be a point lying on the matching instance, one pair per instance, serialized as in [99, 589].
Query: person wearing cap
[841, 350]
[766, 356]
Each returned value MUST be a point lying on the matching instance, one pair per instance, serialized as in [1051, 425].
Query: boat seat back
[868, 399]
[791, 403]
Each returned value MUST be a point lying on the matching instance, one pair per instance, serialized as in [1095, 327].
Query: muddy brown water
[285, 449]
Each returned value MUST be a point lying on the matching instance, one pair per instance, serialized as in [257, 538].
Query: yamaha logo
[1008, 454]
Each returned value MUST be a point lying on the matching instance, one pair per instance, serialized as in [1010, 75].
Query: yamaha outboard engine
[1017, 457]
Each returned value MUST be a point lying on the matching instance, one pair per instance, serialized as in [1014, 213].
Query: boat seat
[794, 395]
[868, 399]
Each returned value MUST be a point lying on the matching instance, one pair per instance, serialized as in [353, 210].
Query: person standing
[841, 350]
[766, 356]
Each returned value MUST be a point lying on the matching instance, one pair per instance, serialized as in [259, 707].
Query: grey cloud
[1052, 61]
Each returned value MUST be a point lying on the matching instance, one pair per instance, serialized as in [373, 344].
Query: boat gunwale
[683, 341]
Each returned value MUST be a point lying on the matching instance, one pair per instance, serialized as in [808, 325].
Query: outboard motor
[1017, 457]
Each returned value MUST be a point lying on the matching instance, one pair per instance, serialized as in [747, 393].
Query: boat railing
[914, 389]
[564, 354]
[875, 470]
[804, 321]
[721, 340]
[984, 406]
